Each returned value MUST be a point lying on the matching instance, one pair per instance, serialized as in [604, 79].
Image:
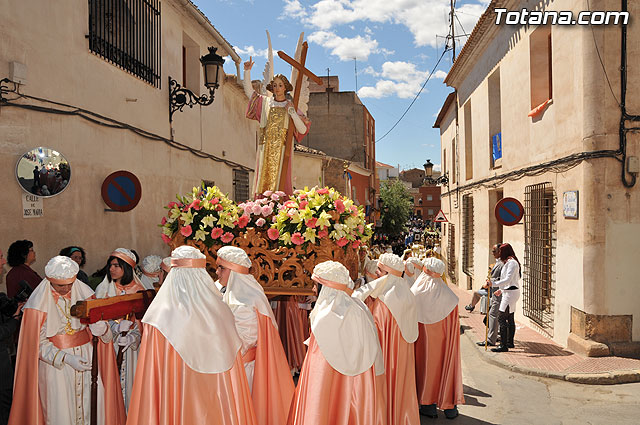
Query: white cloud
[398, 78]
[251, 51]
[345, 48]
[439, 74]
[293, 9]
[423, 18]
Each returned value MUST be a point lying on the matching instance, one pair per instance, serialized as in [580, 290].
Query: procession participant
[509, 289]
[292, 316]
[150, 271]
[394, 313]
[264, 360]
[438, 364]
[494, 309]
[190, 370]
[120, 280]
[412, 269]
[337, 384]
[53, 370]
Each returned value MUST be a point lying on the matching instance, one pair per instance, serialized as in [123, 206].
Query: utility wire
[415, 98]
[600, 57]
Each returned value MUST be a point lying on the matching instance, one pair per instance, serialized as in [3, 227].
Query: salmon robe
[324, 396]
[166, 391]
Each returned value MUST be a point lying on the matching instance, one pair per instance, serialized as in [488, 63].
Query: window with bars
[467, 234]
[451, 252]
[240, 185]
[539, 254]
[127, 34]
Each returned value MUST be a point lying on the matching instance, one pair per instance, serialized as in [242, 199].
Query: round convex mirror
[43, 172]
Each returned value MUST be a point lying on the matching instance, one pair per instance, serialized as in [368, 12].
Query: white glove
[124, 325]
[77, 362]
[99, 328]
[125, 340]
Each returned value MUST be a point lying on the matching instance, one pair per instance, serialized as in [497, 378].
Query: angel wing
[303, 103]
[267, 75]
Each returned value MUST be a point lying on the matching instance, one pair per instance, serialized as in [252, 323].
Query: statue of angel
[272, 110]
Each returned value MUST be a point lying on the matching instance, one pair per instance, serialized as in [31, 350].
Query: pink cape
[26, 407]
[438, 366]
[293, 326]
[399, 363]
[326, 397]
[168, 392]
[272, 383]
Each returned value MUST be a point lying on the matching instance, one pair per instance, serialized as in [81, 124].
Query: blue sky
[396, 44]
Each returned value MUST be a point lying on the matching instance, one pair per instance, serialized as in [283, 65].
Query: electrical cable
[415, 98]
[600, 57]
[112, 123]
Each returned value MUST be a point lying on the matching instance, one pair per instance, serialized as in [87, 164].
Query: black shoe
[501, 349]
[469, 308]
[451, 413]
[429, 411]
[481, 344]
[511, 345]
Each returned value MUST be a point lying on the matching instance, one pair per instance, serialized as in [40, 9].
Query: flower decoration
[206, 214]
[259, 212]
[317, 213]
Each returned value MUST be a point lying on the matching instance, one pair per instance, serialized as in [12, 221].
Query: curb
[603, 378]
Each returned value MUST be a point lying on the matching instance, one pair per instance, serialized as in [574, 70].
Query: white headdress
[435, 300]
[242, 288]
[343, 326]
[188, 310]
[150, 270]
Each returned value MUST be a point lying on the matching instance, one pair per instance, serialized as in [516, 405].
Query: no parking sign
[121, 191]
[509, 211]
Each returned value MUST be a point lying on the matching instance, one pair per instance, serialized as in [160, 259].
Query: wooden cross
[285, 180]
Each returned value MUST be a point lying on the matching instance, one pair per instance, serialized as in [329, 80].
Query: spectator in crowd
[21, 256]
[78, 255]
[496, 270]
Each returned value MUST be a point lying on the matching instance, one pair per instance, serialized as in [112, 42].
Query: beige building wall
[62, 69]
[308, 170]
[594, 268]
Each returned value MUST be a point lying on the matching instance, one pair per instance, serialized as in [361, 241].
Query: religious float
[285, 236]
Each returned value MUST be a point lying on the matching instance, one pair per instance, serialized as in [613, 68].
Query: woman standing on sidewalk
[509, 288]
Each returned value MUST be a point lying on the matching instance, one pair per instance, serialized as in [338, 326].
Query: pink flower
[243, 221]
[273, 233]
[291, 204]
[216, 232]
[303, 204]
[219, 207]
[354, 210]
[275, 197]
[166, 239]
[323, 191]
[323, 233]
[355, 244]
[268, 193]
[172, 204]
[339, 206]
[256, 209]
[267, 210]
[297, 239]
[260, 222]
[280, 193]
[361, 229]
[227, 237]
[274, 218]
[186, 231]
[302, 195]
[214, 201]
[311, 222]
[342, 242]
[195, 205]
[248, 209]
[164, 221]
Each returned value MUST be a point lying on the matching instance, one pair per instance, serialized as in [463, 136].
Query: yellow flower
[174, 213]
[208, 221]
[286, 238]
[200, 235]
[310, 235]
[323, 220]
[167, 231]
[187, 218]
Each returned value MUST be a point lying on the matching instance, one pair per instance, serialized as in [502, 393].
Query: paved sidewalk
[535, 354]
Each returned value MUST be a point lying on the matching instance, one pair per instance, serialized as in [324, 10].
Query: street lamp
[428, 171]
[179, 97]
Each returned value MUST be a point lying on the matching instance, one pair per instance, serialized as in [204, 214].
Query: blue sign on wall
[497, 146]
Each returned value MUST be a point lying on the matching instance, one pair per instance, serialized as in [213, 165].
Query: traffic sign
[121, 191]
[440, 218]
[509, 211]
